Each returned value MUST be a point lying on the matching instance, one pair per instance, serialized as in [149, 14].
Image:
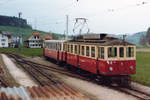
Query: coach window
[50, 46]
[55, 46]
[92, 51]
[82, 51]
[101, 52]
[68, 48]
[64, 47]
[71, 48]
[75, 48]
[87, 51]
[121, 52]
[60, 47]
[112, 52]
[130, 51]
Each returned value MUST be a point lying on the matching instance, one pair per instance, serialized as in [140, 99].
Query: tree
[148, 35]
[143, 40]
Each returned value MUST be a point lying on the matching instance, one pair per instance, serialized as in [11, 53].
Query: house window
[3, 40]
[3, 44]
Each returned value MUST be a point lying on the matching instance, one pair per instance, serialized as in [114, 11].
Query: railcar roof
[55, 41]
[104, 42]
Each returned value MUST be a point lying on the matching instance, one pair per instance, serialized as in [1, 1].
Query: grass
[142, 68]
[24, 51]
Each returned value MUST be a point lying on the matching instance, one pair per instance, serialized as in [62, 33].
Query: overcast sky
[104, 16]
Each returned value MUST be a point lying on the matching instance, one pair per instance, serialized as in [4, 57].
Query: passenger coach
[111, 58]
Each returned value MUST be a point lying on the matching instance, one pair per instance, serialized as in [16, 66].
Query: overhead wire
[6, 2]
[129, 6]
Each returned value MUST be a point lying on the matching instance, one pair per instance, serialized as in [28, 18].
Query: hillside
[134, 38]
[26, 32]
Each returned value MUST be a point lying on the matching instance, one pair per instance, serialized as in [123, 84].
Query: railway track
[135, 93]
[45, 67]
[3, 83]
[130, 91]
[40, 76]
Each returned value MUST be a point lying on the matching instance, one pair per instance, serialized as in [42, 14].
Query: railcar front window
[101, 52]
[130, 51]
[92, 51]
[87, 51]
[112, 52]
[75, 49]
[71, 48]
[121, 52]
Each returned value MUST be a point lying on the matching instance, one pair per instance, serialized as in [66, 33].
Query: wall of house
[3, 41]
[35, 42]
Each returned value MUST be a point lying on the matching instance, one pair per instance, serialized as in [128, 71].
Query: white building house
[4, 39]
[36, 40]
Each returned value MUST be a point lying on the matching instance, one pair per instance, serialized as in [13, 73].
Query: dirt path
[6, 76]
[19, 75]
[93, 91]
[142, 50]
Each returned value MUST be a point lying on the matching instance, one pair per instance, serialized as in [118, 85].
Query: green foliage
[148, 35]
[13, 21]
[26, 32]
[142, 68]
[24, 51]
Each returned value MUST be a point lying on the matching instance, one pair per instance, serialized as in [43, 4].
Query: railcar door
[121, 64]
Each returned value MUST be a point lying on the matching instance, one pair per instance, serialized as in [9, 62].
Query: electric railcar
[110, 59]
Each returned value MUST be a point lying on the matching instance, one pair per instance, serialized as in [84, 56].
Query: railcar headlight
[110, 68]
[131, 67]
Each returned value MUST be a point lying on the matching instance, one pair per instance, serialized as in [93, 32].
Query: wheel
[124, 81]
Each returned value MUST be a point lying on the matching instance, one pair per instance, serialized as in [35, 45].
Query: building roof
[46, 36]
[33, 34]
[6, 33]
[43, 36]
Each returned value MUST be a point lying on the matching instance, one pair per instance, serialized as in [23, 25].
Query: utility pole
[19, 33]
[67, 21]
[35, 23]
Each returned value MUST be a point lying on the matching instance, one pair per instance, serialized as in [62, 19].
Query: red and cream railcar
[54, 49]
[106, 56]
